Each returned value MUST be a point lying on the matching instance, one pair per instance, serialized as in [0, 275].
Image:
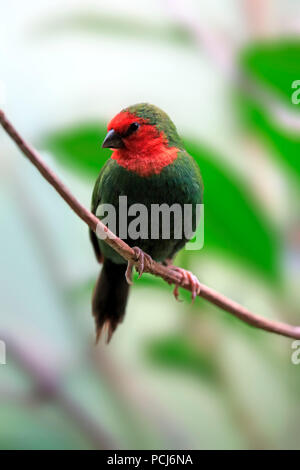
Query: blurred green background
[175, 375]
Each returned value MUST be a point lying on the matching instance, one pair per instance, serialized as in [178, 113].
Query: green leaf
[176, 352]
[234, 224]
[275, 66]
[79, 148]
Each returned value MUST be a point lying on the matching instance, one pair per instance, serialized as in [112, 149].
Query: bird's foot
[190, 279]
[139, 264]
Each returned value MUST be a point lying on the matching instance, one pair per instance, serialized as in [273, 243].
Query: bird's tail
[110, 298]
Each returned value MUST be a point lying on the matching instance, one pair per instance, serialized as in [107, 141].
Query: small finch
[149, 166]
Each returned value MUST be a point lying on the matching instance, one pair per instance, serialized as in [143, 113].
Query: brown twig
[166, 273]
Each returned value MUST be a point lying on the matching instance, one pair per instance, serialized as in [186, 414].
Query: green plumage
[178, 183]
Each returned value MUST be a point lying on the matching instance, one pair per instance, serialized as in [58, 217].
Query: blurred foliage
[243, 234]
[59, 433]
[273, 66]
[177, 352]
[234, 221]
[116, 26]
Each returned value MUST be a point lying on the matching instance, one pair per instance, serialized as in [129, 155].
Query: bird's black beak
[113, 140]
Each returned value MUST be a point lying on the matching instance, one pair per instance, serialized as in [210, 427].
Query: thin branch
[166, 273]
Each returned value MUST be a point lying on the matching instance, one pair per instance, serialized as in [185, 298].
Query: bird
[150, 166]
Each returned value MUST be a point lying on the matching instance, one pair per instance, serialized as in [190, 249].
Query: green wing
[96, 197]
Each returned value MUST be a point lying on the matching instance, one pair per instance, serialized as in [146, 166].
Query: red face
[134, 135]
[138, 146]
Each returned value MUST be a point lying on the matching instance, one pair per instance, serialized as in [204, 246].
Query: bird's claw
[128, 273]
[190, 279]
[139, 263]
[176, 293]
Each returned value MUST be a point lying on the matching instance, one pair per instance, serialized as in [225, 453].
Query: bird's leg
[139, 264]
[190, 279]
[167, 262]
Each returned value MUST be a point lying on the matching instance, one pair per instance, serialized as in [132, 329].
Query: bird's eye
[132, 128]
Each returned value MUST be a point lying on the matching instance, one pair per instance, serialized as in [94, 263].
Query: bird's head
[144, 139]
